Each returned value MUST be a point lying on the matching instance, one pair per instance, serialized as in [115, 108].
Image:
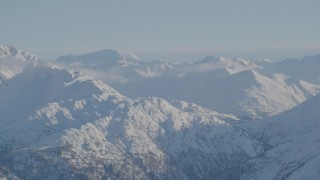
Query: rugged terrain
[61, 119]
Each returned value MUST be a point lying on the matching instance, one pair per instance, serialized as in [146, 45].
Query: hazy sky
[163, 29]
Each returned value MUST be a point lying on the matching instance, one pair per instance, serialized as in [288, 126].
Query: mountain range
[107, 115]
[248, 88]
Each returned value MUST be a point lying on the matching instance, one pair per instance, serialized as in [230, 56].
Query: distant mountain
[247, 88]
[306, 69]
[106, 58]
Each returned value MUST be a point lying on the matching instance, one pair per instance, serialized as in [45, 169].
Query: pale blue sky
[169, 29]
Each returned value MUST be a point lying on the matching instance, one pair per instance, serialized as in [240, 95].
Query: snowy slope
[247, 93]
[59, 124]
[293, 138]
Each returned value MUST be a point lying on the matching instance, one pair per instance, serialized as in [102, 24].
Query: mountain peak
[8, 50]
[106, 53]
[105, 56]
[210, 59]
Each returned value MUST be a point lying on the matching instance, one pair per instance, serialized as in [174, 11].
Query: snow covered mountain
[59, 124]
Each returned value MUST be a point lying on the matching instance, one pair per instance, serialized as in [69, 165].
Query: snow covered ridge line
[258, 88]
[115, 61]
[247, 88]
